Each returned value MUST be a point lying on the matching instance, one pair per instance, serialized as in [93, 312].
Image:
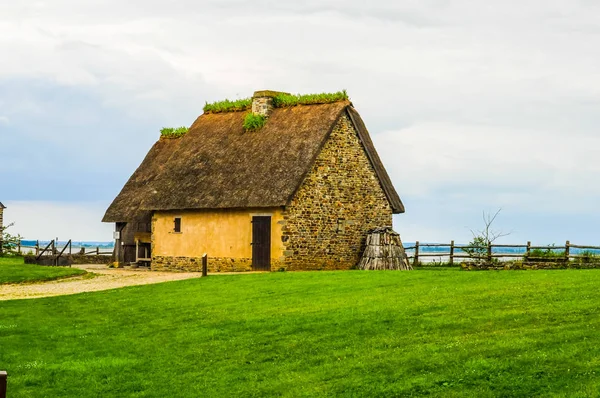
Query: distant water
[76, 246]
[86, 244]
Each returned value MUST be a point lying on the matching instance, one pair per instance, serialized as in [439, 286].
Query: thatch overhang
[2, 206]
[220, 165]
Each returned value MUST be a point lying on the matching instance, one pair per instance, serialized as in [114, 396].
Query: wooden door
[261, 243]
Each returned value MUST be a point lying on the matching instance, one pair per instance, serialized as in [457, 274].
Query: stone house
[299, 193]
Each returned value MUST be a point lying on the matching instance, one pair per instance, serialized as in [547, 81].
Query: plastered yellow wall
[220, 233]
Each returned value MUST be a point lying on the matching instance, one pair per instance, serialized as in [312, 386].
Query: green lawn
[12, 270]
[361, 334]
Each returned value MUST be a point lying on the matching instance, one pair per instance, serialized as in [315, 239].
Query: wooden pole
[37, 248]
[416, 253]
[3, 383]
[97, 250]
[489, 252]
[528, 252]
[19, 247]
[205, 264]
[452, 253]
[567, 251]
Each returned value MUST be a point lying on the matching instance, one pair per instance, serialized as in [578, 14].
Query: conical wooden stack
[384, 251]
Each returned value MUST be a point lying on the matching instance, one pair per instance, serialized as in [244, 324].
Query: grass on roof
[440, 333]
[254, 122]
[280, 101]
[285, 100]
[228, 105]
[173, 132]
[13, 270]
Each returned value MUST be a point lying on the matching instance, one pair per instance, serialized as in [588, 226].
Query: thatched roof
[218, 164]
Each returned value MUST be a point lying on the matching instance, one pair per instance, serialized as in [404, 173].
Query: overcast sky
[473, 106]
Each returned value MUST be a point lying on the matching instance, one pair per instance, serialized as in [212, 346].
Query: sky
[473, 106]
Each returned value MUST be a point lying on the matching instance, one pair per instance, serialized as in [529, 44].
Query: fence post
[416, 253]
[528, 252]
[567, 251]
[54, 260]
[489, 252]
[452, 253]
[19, 247]
[97, 250]
[37, 248]
[205, 264]
[3, 383]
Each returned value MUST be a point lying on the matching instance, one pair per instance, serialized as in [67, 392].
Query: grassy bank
[444, 333]
[12, 270]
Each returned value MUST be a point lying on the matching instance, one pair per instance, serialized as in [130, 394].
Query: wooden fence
[487, 252]
[53, 247]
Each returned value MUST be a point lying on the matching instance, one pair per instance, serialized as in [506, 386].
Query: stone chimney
[262, 102]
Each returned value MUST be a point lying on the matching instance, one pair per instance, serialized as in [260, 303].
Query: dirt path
[106, 278]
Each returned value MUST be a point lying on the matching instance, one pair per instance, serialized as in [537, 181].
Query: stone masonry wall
[194, 264]
[215, 264]
[341, 199]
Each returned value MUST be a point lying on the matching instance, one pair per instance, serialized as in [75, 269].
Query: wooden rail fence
[487, 252]
[22, 249]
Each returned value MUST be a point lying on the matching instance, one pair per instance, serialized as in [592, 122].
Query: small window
[177, 226]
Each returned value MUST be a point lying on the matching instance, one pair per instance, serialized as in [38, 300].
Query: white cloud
[48, 220]
[473, 105]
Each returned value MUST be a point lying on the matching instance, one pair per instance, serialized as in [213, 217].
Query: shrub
[8, 242]
[173, 132]
[228, 105]
[254, 122]
[588, 256]
[284, 100]
[545, 255]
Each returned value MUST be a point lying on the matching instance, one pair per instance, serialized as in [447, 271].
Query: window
[177, 226]
[340, 225]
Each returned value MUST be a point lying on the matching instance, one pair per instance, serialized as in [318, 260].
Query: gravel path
[106, 278]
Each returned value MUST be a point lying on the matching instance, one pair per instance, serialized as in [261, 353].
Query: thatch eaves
[219, 165]
[126, 206]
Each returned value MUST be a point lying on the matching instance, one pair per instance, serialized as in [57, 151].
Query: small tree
[484, 237]
[8, 242]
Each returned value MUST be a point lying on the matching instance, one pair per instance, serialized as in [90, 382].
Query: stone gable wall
[341, 199]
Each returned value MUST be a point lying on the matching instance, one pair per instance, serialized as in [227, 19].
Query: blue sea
[28, 245]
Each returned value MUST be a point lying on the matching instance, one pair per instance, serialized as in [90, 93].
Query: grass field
[12, 270]
[362, 334]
